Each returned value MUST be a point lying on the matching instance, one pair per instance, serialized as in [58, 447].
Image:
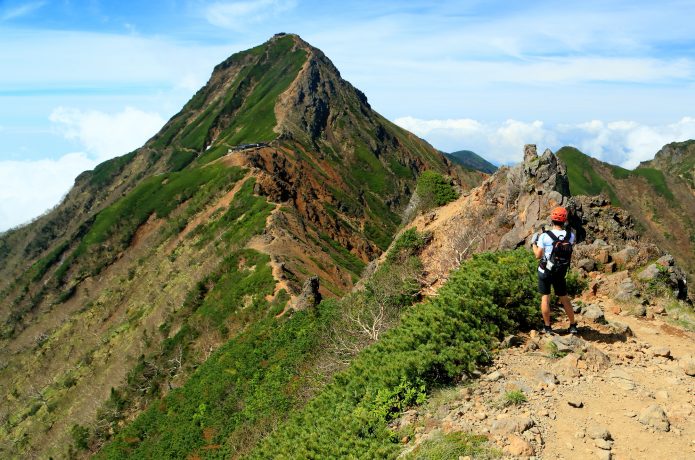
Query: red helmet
[559, 215]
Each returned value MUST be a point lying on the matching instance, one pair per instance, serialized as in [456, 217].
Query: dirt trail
[614, 374]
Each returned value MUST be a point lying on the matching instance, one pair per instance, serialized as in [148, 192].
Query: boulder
[602, 256]
[510, 425]
[586, 264]
[655, 417]
[596, 431]
[664, 352]
[596, 360]
[519, 447]
[568, 366]
[666, 261]
[594, 313]
[622, 379]
[627, 292]
[625, 256]
[688, 365]
[651, 273]
[620, 328]
[547, 377]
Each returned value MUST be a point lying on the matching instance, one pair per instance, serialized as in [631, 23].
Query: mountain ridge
[162, 255]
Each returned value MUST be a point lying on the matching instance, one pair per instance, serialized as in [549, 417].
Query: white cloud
[106, 135]
[624, 143]
[20, 10]
[29, 188]
[497, 142]
[238, 15]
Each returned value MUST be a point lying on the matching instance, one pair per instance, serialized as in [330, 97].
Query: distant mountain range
[471, 160]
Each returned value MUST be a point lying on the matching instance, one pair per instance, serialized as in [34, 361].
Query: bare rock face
[530, 190]
[310, 296]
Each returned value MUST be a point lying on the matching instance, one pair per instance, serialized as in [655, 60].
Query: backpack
[561, 253]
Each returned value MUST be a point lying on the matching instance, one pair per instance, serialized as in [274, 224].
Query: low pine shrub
[490, 295]
[434, 189]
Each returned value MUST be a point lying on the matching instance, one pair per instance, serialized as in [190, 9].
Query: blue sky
[83, 81]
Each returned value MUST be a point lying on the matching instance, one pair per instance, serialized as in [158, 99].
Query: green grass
[453, 446]
[159, 195]
[246, 216]
[514, 398]
[247, 278]
[105, 172]
[370, 172]
[341, 256]
[656, 179]
[255, 118]
[583, 178]
[179, 159]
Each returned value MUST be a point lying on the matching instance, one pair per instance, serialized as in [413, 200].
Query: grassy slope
[257, 379]
[584, 180]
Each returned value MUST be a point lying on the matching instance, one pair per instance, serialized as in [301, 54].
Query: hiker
[554, 249]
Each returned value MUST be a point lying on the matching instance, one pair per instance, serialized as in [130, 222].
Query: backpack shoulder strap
[552, 235]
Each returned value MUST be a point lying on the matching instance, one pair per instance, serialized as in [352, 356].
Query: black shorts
[556, 280]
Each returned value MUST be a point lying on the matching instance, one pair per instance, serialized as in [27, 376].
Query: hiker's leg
[545, 309]
[567, 305]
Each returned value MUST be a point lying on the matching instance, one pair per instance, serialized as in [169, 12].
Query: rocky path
[623, 389]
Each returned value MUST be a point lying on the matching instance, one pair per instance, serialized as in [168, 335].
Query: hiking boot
[573, 329]
[547, 330]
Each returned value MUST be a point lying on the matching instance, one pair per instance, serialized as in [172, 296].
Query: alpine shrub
[434, 189]
[490, 295]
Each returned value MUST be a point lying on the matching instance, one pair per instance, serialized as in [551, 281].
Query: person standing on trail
[554, 250]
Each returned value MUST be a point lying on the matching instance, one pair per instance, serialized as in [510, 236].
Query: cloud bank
[29, 188]
[624, 143]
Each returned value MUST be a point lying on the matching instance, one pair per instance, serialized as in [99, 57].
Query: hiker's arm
[537, 251]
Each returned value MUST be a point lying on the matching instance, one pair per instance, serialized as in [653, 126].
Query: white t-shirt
[546, 242]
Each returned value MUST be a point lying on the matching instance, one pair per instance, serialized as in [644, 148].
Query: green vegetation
[158, 195]
[514, 398]
[576, 284]
[39, 269]
[408, 243]
[246, 216]
[584, 180]
[105, 172]
[434, 189]
[341, 256]
[370, 172]
[554, 351]
[454, 445]
[656, 179]
[179, 159]
[253, 380]
[435, 342]
[255, 118]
